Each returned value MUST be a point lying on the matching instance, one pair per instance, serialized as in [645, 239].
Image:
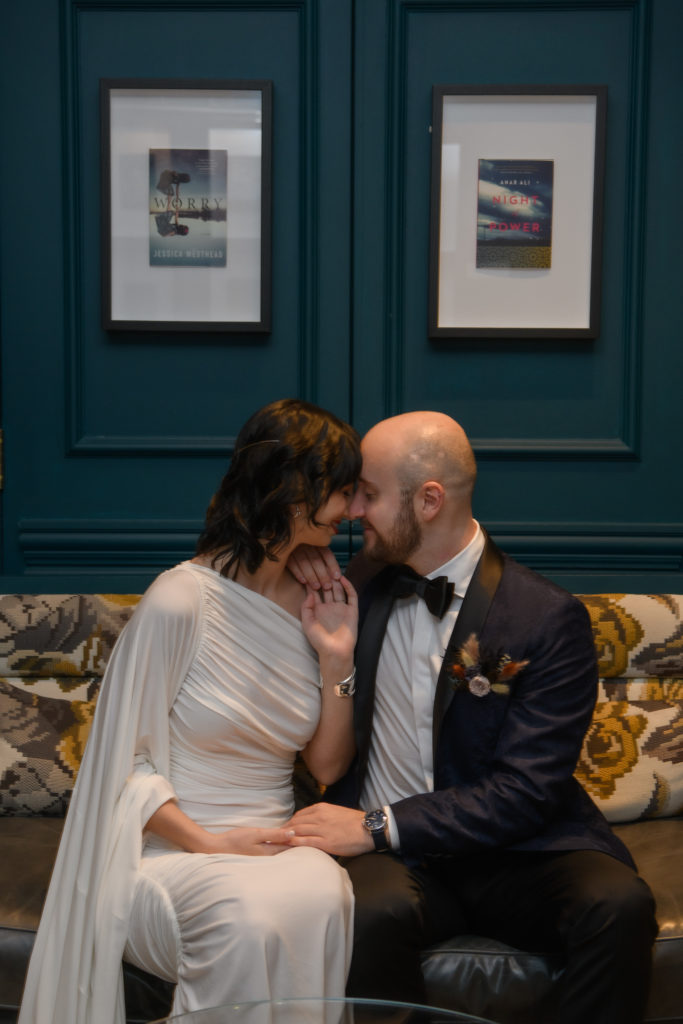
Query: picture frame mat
[561, 128]
[205, 117]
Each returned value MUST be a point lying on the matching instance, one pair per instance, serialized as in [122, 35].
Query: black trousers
[589, 908]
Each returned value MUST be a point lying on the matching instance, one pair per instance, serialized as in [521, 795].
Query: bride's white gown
[218, 687]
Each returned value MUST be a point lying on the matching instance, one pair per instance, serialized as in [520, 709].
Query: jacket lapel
[368, 650]
[471, 619]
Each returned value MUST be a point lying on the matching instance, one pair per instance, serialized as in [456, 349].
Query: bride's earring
[297, 512]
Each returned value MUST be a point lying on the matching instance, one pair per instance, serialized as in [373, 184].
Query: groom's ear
[429, 500]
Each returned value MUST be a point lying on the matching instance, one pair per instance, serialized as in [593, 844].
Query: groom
[474, 692]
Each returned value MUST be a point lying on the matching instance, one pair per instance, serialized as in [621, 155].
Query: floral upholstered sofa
[53, 650]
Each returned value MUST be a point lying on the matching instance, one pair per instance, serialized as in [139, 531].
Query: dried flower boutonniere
[481, 672]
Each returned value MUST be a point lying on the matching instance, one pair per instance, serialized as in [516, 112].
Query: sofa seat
[468, 973]
[489, 979]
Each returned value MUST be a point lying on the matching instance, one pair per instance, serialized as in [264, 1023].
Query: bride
[174, 855]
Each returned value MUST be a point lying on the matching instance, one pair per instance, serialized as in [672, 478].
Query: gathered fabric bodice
[248, 703]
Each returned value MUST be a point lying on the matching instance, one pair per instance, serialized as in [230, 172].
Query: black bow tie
[437, 593]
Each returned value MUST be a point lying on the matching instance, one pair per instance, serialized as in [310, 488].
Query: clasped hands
[336, 830]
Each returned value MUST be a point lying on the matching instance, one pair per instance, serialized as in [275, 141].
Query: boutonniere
[481, 672]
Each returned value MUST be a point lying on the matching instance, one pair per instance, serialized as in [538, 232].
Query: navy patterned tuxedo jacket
[503, 764]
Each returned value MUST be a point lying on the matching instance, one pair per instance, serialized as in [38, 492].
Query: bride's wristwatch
[376, 823]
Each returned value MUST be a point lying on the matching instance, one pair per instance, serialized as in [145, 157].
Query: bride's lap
[199, 909]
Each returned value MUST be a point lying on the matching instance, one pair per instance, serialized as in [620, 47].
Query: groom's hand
[336, 830]
[315, 567]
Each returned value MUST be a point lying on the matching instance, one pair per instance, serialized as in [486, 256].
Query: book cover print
[514, 214]
[188, 197]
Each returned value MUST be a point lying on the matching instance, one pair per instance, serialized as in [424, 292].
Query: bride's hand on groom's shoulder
[314, 567]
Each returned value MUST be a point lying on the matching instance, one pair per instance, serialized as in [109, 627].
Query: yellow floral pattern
[615, 631]
[72, 744]
[631, 762]
[610, 748]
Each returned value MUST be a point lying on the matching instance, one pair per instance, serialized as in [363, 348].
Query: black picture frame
[213, 273]
[560, 125]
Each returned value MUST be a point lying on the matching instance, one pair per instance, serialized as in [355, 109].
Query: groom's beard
[403, 539]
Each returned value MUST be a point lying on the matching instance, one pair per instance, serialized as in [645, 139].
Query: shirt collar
[460, 568]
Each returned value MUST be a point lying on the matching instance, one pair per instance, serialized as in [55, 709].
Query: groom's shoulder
[532, 588]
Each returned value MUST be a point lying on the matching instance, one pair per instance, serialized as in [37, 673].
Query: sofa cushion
[49, 635]
[656, 849]
[486, 978]
[637, 635]
[631, 762]
[482, 976]
[53, 652]
[45, 725]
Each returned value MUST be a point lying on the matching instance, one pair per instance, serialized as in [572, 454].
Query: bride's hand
[169, 822]
[251, 842]
[315, 567]
[330, 620]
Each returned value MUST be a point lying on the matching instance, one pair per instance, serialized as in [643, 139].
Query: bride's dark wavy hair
[289, 452]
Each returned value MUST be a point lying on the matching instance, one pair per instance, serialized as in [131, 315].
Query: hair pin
[252, 444]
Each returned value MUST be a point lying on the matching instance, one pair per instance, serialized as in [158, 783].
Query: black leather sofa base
[488, 979]
[468, 973]
[29, 847]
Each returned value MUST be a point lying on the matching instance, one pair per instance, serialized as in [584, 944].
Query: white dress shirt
[400, 762]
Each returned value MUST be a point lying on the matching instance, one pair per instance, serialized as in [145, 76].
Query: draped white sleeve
[75, 974]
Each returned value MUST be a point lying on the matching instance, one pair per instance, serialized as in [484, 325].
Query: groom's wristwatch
[376, 823]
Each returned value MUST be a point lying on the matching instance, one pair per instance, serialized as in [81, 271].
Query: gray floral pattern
[53, 652]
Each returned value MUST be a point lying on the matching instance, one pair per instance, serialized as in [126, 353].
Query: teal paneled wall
[578, 475]
[113, 442]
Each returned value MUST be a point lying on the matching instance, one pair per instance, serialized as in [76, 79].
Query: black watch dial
[376, 822]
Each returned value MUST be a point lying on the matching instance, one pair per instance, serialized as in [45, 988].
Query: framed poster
[186, 204]
[516, 211]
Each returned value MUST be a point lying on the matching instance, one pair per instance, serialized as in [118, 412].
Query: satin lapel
[368, 650]
[471, 619]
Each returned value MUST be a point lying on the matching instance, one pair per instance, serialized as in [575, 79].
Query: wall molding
[551, 447]
[112, 444]
[587, 547]
[626, 446]
[606, 547]
[126, 547]
[81, 546]
[83, 555]
[78, 545]
[79, 439]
